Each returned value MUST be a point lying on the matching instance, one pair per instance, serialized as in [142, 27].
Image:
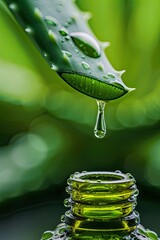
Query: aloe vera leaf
[62, 35]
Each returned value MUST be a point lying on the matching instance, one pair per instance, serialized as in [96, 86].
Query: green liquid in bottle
[101, 206]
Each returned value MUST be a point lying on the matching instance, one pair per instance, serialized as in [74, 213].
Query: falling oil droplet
[100, 127]
[87, 44]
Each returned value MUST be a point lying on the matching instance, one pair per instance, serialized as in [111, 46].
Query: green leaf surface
[61, 33]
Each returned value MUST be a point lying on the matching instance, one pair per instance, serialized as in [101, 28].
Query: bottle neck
[101, 203]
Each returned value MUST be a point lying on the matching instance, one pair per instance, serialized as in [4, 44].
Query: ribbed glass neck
[101, 207]
[101, 203]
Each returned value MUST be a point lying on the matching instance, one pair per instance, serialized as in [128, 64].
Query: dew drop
[71, 20]
[13, 6]
[100, 127]
[47, 235]
[51, 21]
[62, 230]
[105, 76]
[28, 30]
[67, 38]
[111, 75]
[51, 35]
[38, 13]
[69, 181]
[129, 176]
[87, 44]
[66, 202]
[45, 54]
[63, 31]
[100, 66]
[98, 181]
[53, 67]
[59, 8]
[68, 54]
[66, 25]
[63, 218]
[136, 192]
[67, 190]
[85, 65]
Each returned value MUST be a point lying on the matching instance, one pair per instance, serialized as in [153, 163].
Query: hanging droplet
[51, 21]
[85, 65]
[38, 13]
[87, 44]
[63, 31]
[100, 127]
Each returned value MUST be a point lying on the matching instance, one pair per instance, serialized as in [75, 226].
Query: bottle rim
[102, 177]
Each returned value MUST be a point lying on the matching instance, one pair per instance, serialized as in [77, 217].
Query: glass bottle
[101, 206]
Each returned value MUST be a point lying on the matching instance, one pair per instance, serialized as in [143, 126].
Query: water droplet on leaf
[85, 65]
[63, 32]
[105, 76]
[87, 44]
[51, 21]
[100, 127]
[67, 38]
[51, 36]
[38, 13]
[13, 6]
[53, 67]
[111, 75]
[68, 54]
[29, 30]
[100, 66]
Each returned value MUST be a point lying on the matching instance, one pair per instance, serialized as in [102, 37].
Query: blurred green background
[46, 133]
